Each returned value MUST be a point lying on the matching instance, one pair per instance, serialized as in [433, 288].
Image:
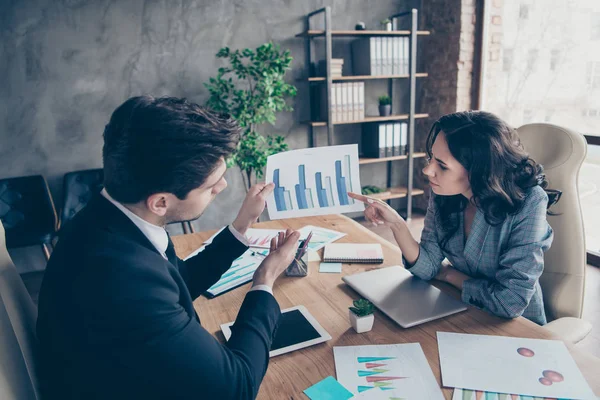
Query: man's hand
[253, 206]
[283, 251]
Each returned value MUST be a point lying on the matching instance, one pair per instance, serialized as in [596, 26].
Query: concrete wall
[65, 65]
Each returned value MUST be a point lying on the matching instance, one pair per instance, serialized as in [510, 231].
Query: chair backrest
[561, 152]
[78, 189]
[18, 342]
[27, 211]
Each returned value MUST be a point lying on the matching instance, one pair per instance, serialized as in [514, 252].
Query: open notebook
[353, 253]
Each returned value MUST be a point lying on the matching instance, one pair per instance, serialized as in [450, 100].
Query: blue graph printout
[314, 181]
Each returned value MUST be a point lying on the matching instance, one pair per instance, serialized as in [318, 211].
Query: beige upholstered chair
[562, 152]
[18, 341]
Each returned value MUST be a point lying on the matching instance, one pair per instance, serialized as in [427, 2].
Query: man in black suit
[116, 319]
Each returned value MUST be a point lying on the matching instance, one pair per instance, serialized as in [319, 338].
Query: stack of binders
[347, 102]
[337, 65]
[380, 56]
[381, 140]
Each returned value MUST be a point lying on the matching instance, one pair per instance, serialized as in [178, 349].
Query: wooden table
[328, 299]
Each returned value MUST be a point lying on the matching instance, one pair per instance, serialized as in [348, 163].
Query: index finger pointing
[360, 197]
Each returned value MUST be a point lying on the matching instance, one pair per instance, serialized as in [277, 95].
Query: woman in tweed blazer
[486, 215]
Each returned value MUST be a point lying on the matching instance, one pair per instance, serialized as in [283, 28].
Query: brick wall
[448, 56]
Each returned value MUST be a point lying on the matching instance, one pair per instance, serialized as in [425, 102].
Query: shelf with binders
[372, 160]
[337, 100]
[322, 79]
[341, 33]
[396, 193]
[399, 117]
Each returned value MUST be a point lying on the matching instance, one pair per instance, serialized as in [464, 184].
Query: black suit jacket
[116, 320]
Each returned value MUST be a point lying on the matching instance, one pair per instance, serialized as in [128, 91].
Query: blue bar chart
[313, 181]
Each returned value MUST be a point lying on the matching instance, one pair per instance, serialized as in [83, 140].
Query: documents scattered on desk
[261, 238]
[313, 181]
[374, 394]
[532, 367]
[353, 253]
[328, 389]
[241, 271]
[320, 236]
[465, 394]
[335, 268]
[399, 369]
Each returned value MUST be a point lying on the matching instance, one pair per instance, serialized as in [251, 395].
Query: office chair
[78, 189]
[561, 152]
[18, 342]
[27, 212]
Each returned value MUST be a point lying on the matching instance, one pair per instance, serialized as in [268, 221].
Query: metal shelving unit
[327, 34]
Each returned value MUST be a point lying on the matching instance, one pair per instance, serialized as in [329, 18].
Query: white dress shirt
[157, 235]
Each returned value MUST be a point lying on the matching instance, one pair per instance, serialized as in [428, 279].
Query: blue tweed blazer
[503, 261]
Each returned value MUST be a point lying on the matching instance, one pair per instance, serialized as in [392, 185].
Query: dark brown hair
[500, 170]
[166, 144]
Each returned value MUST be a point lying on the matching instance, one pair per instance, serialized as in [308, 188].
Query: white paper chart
[241, 271]
[400, 370]
[496, 364]
[314, 181]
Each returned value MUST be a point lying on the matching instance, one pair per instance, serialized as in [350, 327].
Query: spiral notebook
[370, 253]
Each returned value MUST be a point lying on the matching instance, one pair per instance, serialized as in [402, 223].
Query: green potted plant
[361, 315]
[251, 88]
[386, 24]
[385, 105]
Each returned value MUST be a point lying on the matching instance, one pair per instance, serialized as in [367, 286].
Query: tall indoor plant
[251, 88]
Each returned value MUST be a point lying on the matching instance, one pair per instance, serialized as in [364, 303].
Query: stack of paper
[499, 365]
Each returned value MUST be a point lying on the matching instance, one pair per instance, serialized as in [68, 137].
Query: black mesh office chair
[27, 212]
[78, 189]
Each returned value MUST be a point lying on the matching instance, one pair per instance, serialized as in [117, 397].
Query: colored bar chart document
[320, 236]
[314, 181]
[400, 370]
[261, 238]
[241, 271]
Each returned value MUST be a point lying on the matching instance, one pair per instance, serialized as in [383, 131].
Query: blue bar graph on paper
[282, 200]
[324, 190]
[328, 190]
[341, 184]
[301, 189]
[343, 180]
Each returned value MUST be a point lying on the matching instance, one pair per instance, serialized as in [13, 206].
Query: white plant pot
[361, 324]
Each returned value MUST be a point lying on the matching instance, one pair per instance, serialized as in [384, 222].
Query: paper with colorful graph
[465, 394]
[400, 370]
[261, 238]
[497, 364]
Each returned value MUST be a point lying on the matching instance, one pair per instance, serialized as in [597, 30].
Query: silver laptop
[403, 297]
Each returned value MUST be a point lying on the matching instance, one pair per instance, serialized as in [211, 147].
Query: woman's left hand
[452, 276]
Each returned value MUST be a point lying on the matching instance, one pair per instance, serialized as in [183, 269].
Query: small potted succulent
[385, 106]
[361, 315]
[386, 24]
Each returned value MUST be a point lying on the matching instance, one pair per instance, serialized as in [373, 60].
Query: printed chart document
[314, 181]
[320, 236]
[497, 364]
[400, 370]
